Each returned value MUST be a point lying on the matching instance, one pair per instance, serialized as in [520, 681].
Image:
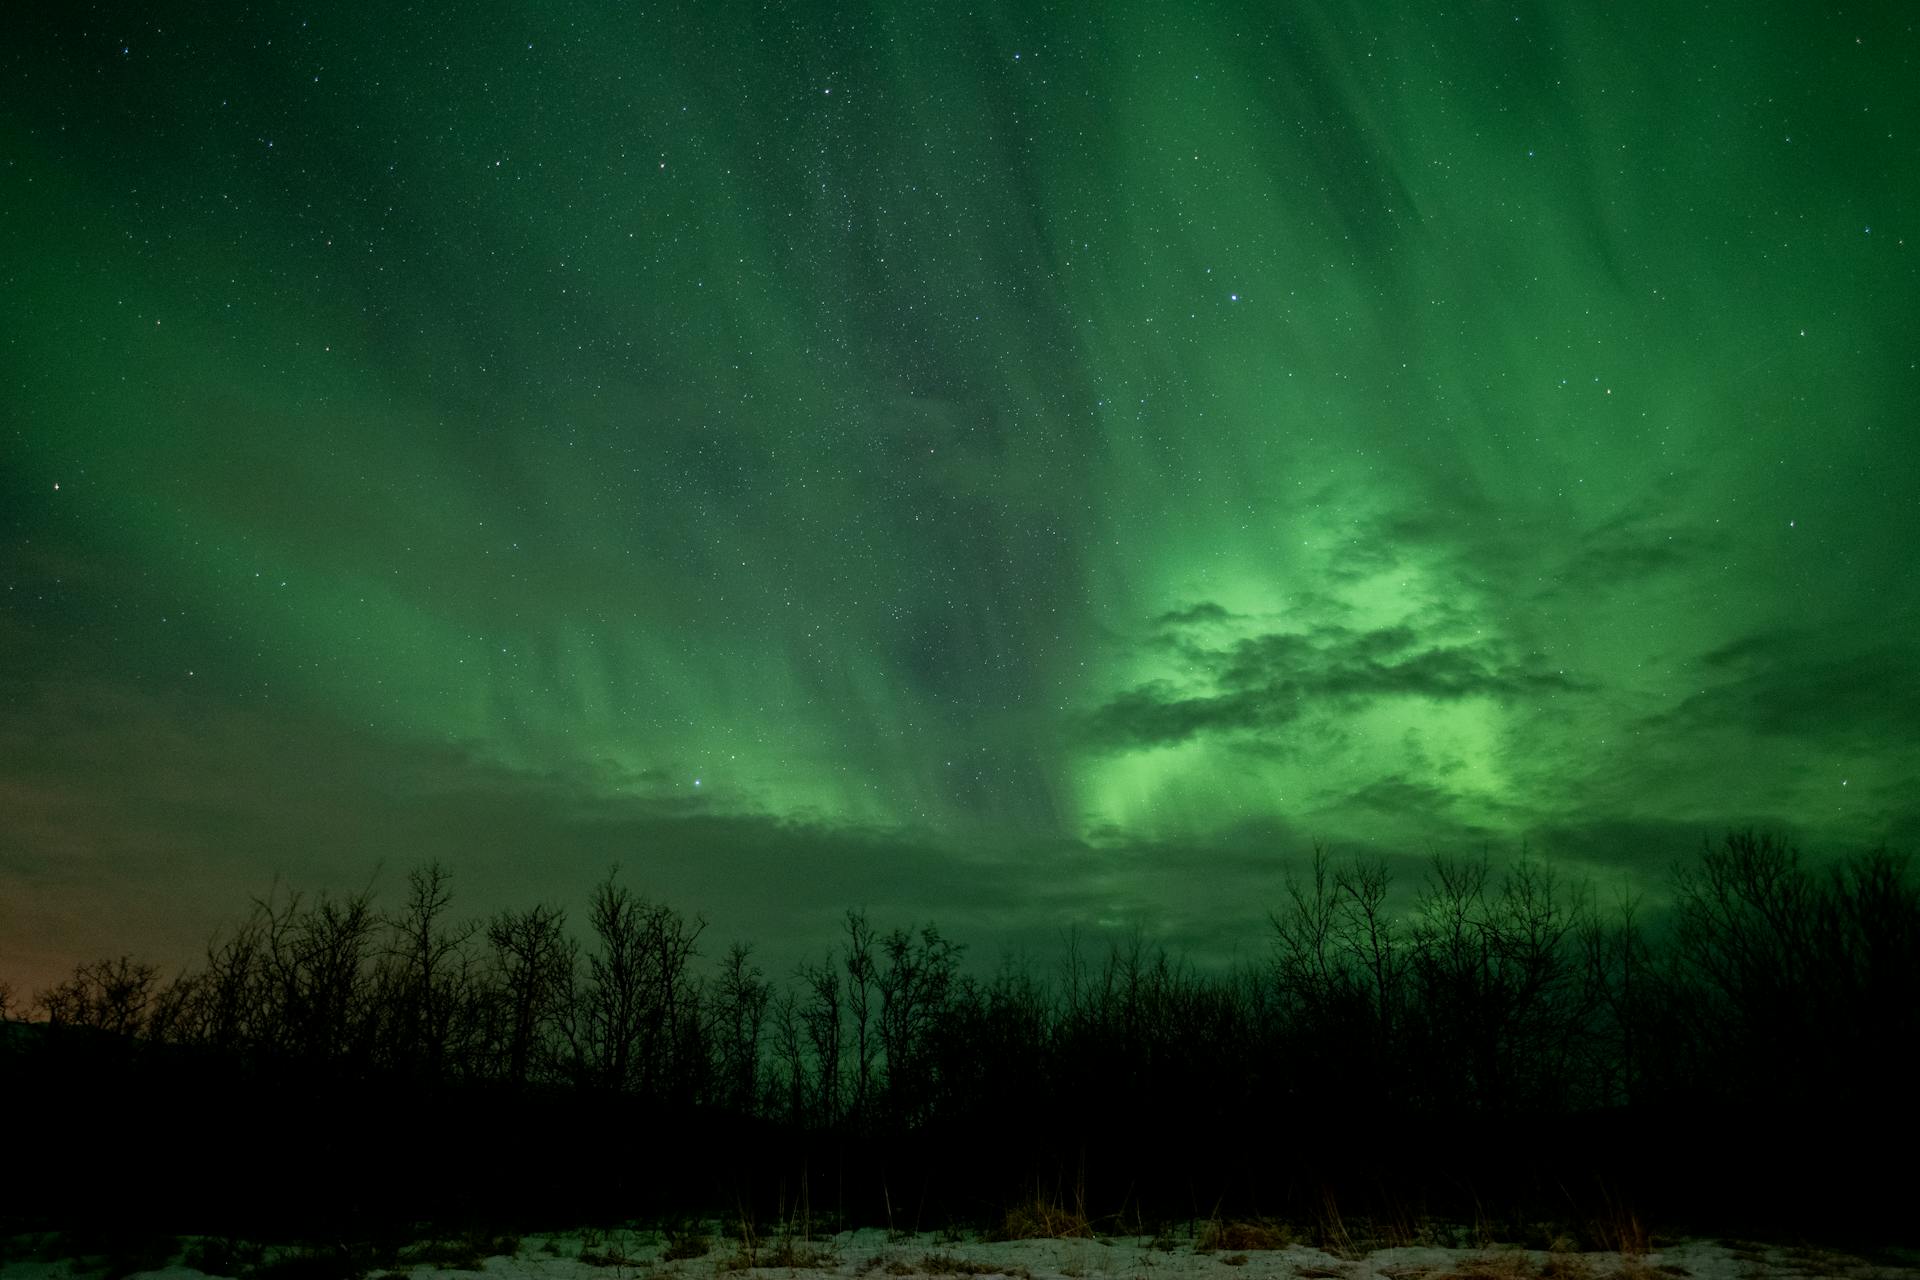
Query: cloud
[1261, 683]
[1153, 715]
[144, 822]
[1404, 797]
[1472, 536]
[1784, 683]
[1195, 614]
[1640, 542]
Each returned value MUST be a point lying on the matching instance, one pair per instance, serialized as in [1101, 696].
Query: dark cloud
[1195, 614]
[1265, 682]
[1155, 715]
[1782, 683]
[1642, 851]
[1404, 797]
[1756, 650]
[1645, 539]
[146, 823]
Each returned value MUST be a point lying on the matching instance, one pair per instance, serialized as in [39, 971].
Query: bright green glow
[1008, 430]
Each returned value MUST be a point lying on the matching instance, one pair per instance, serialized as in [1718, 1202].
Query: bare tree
[739, 1011]
[1542, 1002]
[1307, 966]
[336, 941]
[1499, 989]
[1339, 968]
[1745, 920]
[821, 1018]
[312, 997]
[177, 1011]
[616, 983]
[787, 1096]
[533, 962]
[1797, 977]
[1620, 975]
[1370, 938]
[678, 1063]
[434, 978]
[639, 1010]
[860, 990]
[114, 996]
[1867, 934]
[232, 1000]
[915, 987]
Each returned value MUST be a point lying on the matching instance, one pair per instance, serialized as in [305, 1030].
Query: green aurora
[1032, 467]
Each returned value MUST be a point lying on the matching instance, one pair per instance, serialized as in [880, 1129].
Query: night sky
[1026, 466]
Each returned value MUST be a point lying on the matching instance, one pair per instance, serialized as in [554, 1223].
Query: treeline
[1495, 1044]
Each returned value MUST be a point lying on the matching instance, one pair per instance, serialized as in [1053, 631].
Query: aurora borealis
[1028, 466]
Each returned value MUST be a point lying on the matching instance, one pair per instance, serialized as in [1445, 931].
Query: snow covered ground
[875, 1255]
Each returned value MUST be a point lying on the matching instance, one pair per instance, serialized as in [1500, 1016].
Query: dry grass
[1043, 1219]
[598, 1250]
[1812, 1261]
[948, 1264]
[789, 1252]
[1636, 1269]
[1514, 1265]
[606, 1258]
[1331, 1229]
[1619, 1230]
[684, 1245]
[785, 1253]
[1243, 1236]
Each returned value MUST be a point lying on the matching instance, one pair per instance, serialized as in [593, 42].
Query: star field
[1031, 467]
